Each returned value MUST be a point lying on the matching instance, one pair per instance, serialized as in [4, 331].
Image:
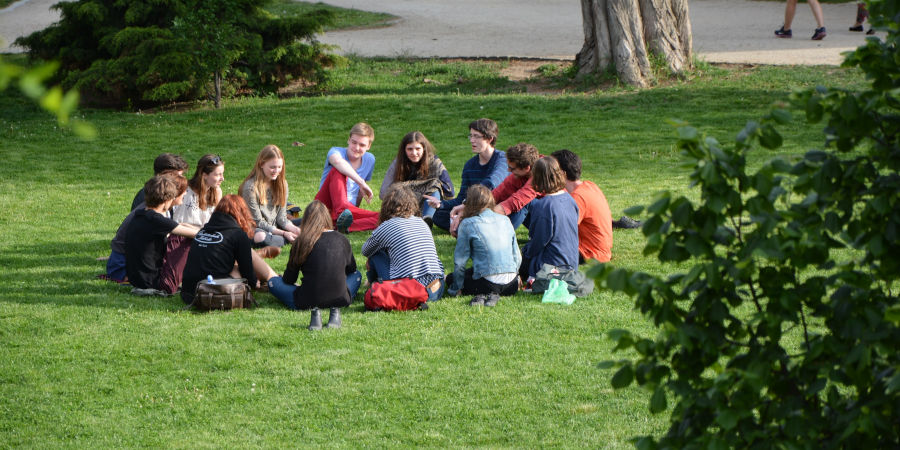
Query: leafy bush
[152, 51]
[783, 331]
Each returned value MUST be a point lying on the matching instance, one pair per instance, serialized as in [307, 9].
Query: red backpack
[402, 294]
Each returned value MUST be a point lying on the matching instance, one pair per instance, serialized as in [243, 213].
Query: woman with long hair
[203, 193]
[325, 258]
[489, 240]
[402, 246]
[265, 191]
[553, 232]
[418, 168]
[223, 249]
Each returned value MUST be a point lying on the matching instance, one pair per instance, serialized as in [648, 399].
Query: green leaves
[784, 325]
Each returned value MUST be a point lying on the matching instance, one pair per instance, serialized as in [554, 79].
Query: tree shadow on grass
[65, 274]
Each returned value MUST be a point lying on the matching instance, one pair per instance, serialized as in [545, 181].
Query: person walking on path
[791, 8]
[861, 15]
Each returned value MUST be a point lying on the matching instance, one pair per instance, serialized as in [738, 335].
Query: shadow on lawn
[65, 274]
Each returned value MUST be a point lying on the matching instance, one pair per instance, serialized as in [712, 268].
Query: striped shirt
[410, 247]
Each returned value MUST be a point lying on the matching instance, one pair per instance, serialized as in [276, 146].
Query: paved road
[733, 31]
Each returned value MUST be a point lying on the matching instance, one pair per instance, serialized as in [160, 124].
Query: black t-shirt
[145, 247]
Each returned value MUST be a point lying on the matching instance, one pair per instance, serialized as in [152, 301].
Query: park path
[728, 31]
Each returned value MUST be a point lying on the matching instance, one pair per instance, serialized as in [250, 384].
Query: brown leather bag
[222, 294]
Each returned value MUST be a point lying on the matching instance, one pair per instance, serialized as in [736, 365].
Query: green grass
[85, 364]
[346, 18]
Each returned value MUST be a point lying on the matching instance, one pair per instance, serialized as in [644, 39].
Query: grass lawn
[86, 364]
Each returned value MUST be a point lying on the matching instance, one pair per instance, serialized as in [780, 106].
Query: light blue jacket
[490, 241]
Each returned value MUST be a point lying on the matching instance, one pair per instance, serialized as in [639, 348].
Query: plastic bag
[558, 292]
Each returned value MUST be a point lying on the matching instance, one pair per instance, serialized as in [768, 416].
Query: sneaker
[782, 33]
[627, 223]
[149, 292]
[856, 28]
[478, 300]
[344, 221]
[870, 32]
[819, 34]
[492, 300]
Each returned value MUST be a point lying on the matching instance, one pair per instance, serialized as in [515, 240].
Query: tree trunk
[619, 33]
[218, 83]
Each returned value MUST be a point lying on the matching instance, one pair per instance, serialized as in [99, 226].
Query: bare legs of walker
[791, 8]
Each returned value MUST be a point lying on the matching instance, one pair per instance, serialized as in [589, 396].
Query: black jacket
[216, 247]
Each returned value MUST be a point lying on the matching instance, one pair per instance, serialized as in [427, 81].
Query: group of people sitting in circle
[180, 231]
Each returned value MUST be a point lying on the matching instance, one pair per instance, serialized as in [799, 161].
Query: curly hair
[234, 206]
[522, 155]
[400, 201]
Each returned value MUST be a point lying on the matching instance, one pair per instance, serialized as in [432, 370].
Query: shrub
[784, 329]
[152, 51]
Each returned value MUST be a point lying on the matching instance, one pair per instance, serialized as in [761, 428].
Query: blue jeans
[428, 210]
[284, 292]
[520, 217]
[379, 267]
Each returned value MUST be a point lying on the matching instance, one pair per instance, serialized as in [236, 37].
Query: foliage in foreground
[146, 51]
[805, 250]
[30, 82]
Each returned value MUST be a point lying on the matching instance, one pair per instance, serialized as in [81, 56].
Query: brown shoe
[268, 252]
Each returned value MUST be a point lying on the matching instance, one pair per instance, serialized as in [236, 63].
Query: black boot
[315, 320]
[334, 318]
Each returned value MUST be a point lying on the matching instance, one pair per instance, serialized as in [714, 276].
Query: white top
[189, 211]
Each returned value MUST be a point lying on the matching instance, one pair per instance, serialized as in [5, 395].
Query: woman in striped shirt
[402, 246]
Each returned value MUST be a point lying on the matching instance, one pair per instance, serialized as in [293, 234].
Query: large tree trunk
[619, 33]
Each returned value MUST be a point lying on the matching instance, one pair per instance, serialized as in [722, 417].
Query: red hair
[234, 206]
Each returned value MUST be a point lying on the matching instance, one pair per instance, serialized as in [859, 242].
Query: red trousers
[333, 194]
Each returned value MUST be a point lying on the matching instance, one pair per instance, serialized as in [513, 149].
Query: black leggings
[472, 286]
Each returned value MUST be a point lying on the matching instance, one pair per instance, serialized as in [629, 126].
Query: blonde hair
[363, 129]
[261, 185]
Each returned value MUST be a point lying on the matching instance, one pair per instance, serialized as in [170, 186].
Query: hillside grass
[86, 364]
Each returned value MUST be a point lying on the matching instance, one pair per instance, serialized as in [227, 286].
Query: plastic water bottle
[209, 279]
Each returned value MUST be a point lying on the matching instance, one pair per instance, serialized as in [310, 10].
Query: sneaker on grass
[344, 221]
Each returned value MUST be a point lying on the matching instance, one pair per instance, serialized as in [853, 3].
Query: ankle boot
[315, 320]
[334, 318]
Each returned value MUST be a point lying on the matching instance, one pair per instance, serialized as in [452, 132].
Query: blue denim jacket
[490, 241]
